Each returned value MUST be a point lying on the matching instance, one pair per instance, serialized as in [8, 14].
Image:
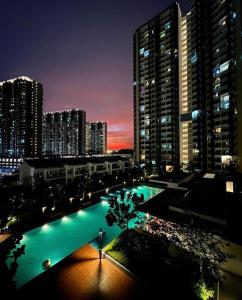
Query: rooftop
[60, 162]
[17, 78]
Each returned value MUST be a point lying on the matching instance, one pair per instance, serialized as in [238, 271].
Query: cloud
[120, 140]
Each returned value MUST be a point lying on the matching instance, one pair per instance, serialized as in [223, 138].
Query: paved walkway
[81, 276]
[4, 236]
[231, 286]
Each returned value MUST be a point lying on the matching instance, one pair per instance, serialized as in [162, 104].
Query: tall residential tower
[64, 133]
[216, 41]
[156, 90]
[20, 121]
[187, 87]
[96, 137]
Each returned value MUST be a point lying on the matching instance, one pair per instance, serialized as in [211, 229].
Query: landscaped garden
[158, 266]
[183, 260]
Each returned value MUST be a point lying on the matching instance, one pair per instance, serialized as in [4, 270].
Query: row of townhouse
[67, 169]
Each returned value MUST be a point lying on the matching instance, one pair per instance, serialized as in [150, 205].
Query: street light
[100, 242]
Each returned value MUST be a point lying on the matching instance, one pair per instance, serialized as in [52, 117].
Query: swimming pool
[60, 238]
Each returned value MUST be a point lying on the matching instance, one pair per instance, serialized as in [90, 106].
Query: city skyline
[78, 66]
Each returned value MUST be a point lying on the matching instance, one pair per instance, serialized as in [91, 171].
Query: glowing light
[46, 226]
[65, 218]
[44, 209]
[89, 195]
[104, 202]
[71, 199]
[107, 190]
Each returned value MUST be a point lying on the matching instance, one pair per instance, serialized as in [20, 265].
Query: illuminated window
[225, 101]
[225, 97]
[216, 71]
[166, 119]
[142, 108]
[224, 66]
[162, 34]
[194, 57]
[167, 25]
[141, 51]
[166, 146]
[195, 114]
[146, 53]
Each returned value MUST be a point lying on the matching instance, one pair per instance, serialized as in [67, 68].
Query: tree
[123, 209]
[10, 249]
[202, 247]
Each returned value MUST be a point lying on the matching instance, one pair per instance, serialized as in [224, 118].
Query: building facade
[21, 102]
[200, 54]
[68, 169]
[96, 138]
[185, 87]
[64, 133]
[156, 90]
[216, 83]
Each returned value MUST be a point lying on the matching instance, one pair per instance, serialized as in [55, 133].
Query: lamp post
[100, 241]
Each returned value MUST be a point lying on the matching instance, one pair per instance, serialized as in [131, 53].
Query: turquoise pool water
[60, 238]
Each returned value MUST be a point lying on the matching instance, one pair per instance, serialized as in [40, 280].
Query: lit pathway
[81, 276]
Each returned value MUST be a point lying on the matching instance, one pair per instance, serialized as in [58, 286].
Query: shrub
[203, 292]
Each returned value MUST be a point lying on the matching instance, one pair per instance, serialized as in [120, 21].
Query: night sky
[81, 51]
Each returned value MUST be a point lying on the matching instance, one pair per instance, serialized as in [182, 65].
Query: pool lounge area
[60, 238]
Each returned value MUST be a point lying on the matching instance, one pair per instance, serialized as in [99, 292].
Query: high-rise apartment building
[216, 83]
[21, 102]
[64, 132]
[156, 89]
[96, 137]
[203, 60]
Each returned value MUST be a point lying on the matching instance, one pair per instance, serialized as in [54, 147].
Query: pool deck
[82, 275]
[4, 236]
